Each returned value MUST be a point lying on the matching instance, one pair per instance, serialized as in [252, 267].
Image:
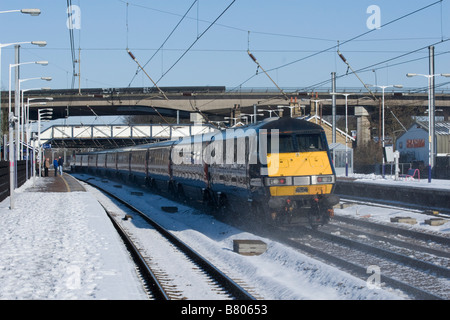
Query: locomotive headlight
[280, 181]
[322, 179]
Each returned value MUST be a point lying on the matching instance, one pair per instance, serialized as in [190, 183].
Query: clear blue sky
[288, 37]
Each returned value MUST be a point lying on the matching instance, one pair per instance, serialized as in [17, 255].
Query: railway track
[410, 262]
[417, 263]
[157, 276]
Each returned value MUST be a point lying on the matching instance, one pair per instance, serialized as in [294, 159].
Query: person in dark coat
[55, 165]
[60, 165]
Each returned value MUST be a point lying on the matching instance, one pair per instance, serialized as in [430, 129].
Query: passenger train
[278, 171]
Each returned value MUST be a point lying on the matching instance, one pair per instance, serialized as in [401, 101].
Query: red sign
[415, 143]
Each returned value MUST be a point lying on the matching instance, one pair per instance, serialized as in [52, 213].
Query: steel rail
[151, 280]
[227, 283]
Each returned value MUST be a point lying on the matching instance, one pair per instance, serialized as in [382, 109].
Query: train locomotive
[278, 171]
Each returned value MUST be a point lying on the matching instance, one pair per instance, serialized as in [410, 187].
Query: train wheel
[222, 206]
[262, 214]
[180, 193]
[317, 215]
[207, 202]
[171, 189]
[153, 185]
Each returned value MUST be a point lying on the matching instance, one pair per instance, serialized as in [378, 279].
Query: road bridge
[216, 102]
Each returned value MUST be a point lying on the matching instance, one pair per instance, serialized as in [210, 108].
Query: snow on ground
[279, 273]
[384, 214]
[62, 246]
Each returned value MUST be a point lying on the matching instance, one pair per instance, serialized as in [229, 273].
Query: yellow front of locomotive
[301, 178]
[300, 173]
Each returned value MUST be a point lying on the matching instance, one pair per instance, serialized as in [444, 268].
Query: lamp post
[316, 101]
[3, 45]
[382, 116]
[269, 111]
[36, 104]
[290, 109]
[17, 104]
[12, 119]
[32, 12]
[22, 107]
[346, 128]
[27, 119]
[252, 116]
[231, 118]
[431, 135]
[42, 114]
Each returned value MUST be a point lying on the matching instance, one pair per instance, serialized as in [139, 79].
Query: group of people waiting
[57, 165]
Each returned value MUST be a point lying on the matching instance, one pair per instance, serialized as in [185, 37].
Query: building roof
[441, 127]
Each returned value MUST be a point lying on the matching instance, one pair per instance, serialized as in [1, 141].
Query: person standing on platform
[55, 165]
[60, 165]
[46, 166]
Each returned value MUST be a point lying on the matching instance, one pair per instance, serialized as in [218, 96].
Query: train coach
[278, 170]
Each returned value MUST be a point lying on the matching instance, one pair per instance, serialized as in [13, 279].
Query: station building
[413, 146]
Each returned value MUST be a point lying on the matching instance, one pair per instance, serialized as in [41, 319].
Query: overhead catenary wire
[164, 42]
[335, 47]
[259, 66]
[71, 40]
[231, 27]
[383, 63]
[353, 71]
[367, 87]
[159, 89]
[195, 41]
[139, 65]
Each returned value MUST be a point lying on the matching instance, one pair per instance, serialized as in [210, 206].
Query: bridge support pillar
[362, 126]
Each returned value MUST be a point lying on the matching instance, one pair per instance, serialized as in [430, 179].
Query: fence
[4, 176]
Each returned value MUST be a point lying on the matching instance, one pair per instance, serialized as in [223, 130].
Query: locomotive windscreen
[289, 143]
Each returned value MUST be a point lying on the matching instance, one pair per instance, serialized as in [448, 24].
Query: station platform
[60, 183]
[57, 243]
[435, 195]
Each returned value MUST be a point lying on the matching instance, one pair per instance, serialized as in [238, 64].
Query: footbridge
[115, 136]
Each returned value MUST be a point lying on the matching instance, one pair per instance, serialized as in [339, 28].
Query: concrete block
[408, 220]
[249, 247]
[435, 222]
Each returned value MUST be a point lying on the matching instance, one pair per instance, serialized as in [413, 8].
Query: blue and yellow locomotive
[278, 170]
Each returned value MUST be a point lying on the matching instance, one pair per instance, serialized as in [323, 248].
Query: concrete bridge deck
[216, 102]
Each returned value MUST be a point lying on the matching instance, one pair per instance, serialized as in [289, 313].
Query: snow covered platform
[56, 244]
[61, 245]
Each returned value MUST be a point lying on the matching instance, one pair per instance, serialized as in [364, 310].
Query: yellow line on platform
[67, 185]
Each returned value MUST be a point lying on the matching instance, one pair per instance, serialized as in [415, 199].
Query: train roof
[287, 124]
[283, 124]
